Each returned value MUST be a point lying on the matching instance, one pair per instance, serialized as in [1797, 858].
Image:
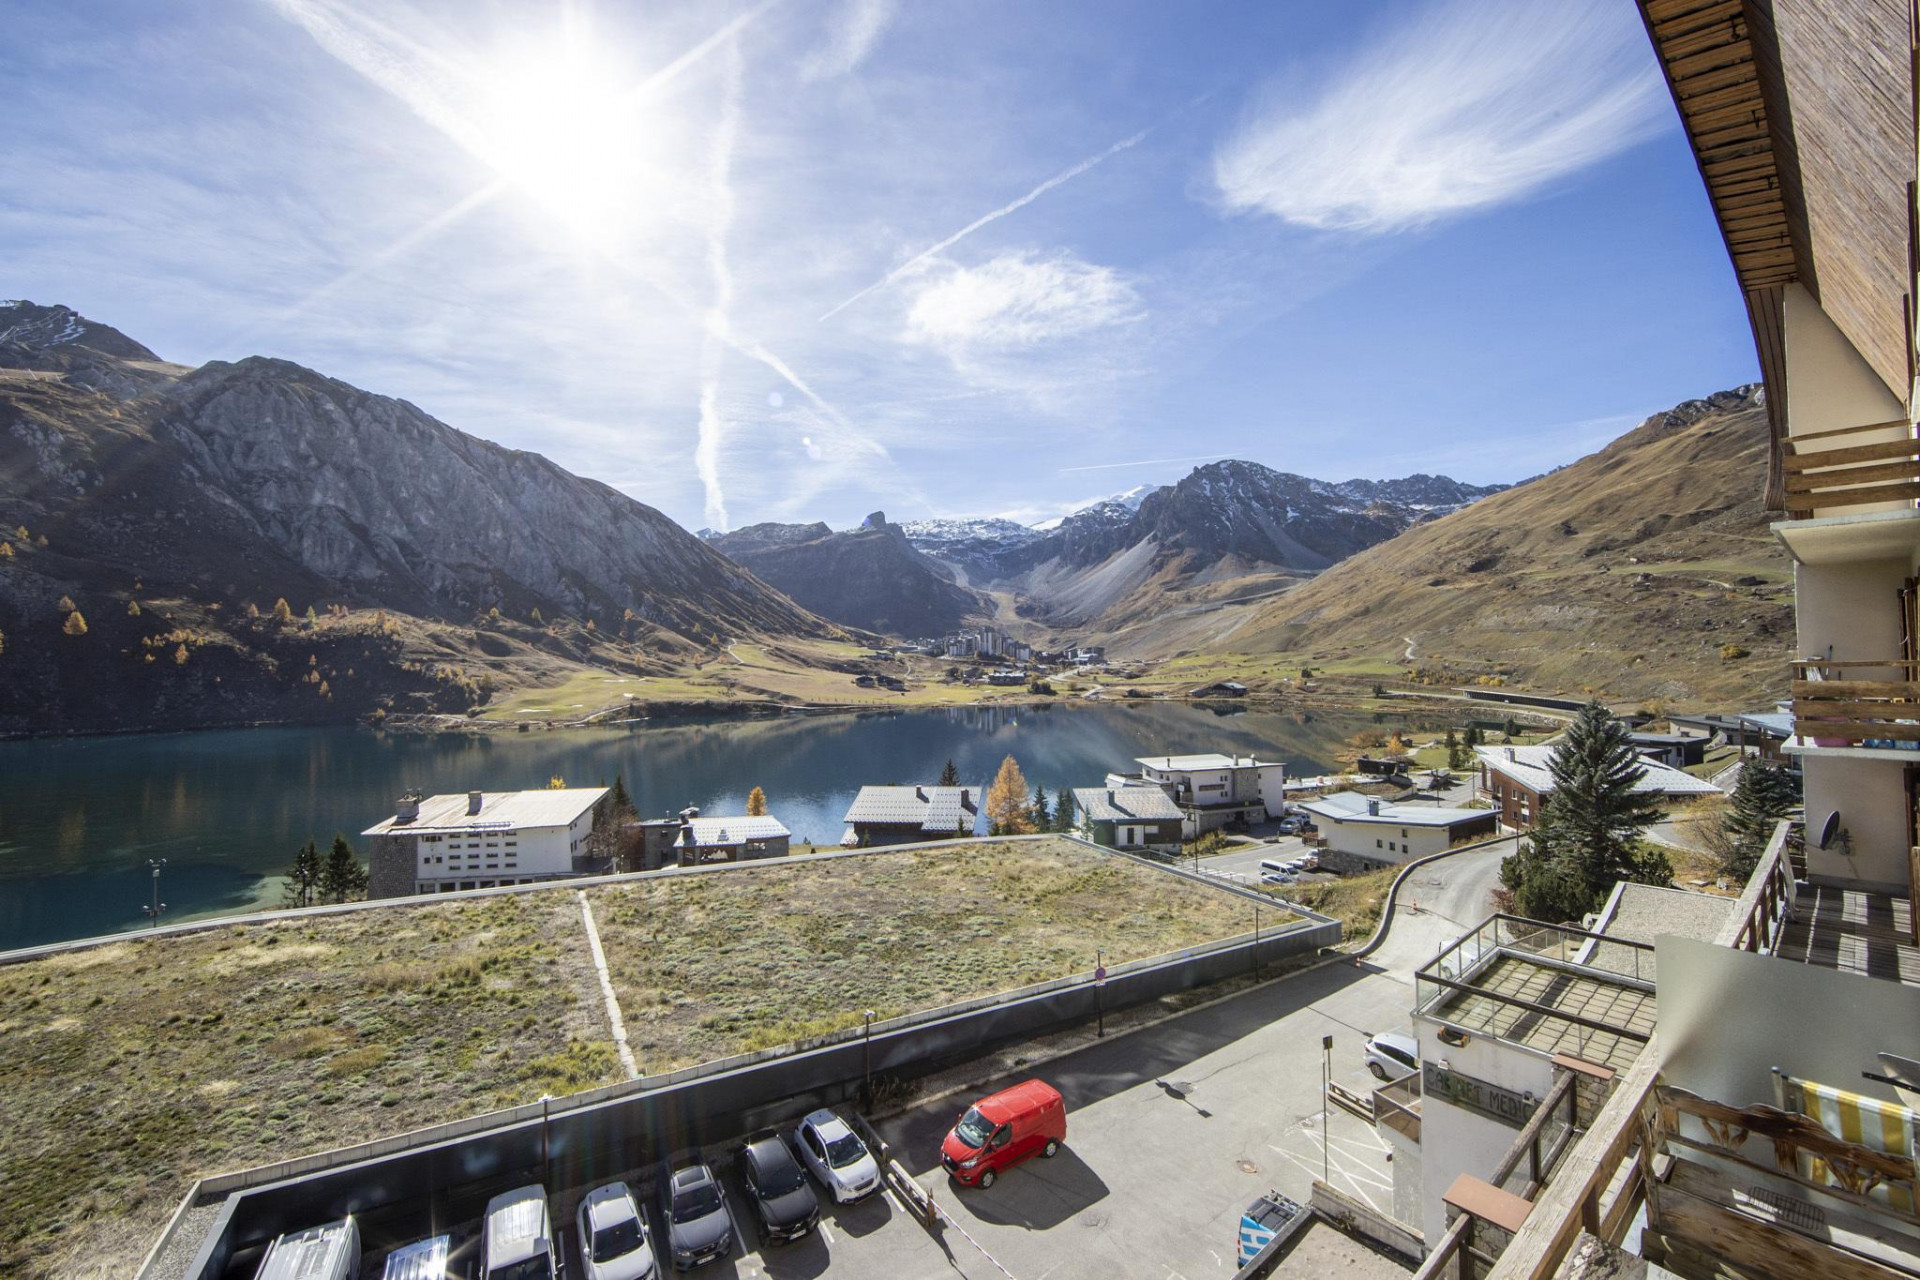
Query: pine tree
[180, 656]
[1474, 737]
[756, 803]
[1587, 837]
[1459, 756]
[536, 616]
[253, 610]
[1064, 817]
[75, 625]
[282, 611]
[66, 604]
[133, 608]
[6, 551]
[20, 532]
[1764, 794]
[949, 774]
[311, 616]
[1007, 813]
[341, 875]
[1042, 811]
[622, 803]
[303, 877]
[41, 542]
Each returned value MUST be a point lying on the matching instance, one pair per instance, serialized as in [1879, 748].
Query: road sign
[1100, 976]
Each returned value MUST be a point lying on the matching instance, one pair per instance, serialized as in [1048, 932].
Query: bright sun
[570, 136]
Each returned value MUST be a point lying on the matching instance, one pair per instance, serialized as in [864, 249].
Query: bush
[1731, 652]
[1206, 845]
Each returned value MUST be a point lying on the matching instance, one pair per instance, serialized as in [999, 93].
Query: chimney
[1509, 755]
[473, 803]
[1373, 808]
[1110, 798]
[965, 798]
[409, 807]
[919, 792]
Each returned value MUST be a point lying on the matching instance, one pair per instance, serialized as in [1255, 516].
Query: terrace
[1866, 705]
[1736, 1147]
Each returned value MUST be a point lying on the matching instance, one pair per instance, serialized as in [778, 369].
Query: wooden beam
[1809, 461]
[1907, 492]
[1816, 481]
[1846, 431]
[1857, 732]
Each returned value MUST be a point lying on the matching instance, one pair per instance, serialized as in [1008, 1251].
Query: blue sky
[808, 258]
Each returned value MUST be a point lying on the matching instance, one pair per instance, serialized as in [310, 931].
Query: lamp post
[1100, 988]
[866, 1089]
[1326, 1082]
[1256, 940]
[154, 911]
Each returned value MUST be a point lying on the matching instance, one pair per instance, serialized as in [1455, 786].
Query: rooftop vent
[1373, 808]
[473, 802]
[408, 809]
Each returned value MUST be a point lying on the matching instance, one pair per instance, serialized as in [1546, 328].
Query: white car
[1391, 1055]
[614, 1244]
[837, 1157]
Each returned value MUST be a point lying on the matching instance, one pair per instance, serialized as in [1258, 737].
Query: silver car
[614, 1244]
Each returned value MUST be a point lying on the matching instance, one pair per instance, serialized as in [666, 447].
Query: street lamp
[866, 1089]
[1099, 988]
[1326, 1083]
[1256, 939]
[153, 911]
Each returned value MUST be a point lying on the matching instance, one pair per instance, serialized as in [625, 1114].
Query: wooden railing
[1845, 703]
[1471, 1248]
[1766, 904]
[1836, 474]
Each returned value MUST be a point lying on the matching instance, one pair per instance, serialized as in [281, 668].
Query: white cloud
[854, 29]
[1019, 300]
[1473, 104]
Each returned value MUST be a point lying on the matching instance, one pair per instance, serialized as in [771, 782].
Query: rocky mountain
[1130, 499]
[240, 483]
[974, 546]
[871, 577]
[1228, 529]
[1643, 570]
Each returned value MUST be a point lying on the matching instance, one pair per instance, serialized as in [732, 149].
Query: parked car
[423, 1260]
[1271, 868]
[837, 1157]
[699, 1225]
[517, 1237]
[1291, 824]
[330, 1252]
[1000, 1131]
[614, 1244]
[777, 1187]
[1391, 1055]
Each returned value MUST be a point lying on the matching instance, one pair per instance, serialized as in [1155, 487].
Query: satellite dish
[1829, 829]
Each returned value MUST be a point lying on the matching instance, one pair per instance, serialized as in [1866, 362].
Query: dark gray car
[777, 1186]
[699, 1227]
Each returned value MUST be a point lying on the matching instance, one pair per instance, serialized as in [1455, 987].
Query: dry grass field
[803, 950]
[136, 1067]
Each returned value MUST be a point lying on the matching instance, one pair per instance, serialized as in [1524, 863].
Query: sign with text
[1490, 1100]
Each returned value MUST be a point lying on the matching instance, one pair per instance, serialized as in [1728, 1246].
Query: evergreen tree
[1063, 815]
[180, 656]
[756, 803]
[66, 604]
[303, 877]
[133, 608]
[949, 774]
[253, 610]
[622, 803]
[1007, 813]
[341, 875]
[1589, 828]
[75, 625]
[1042, 811]
[3, 642]
[1474, 737]
[6, 551]
[282, 611]
[1458, 756]
[1764, 794]
[311, 616]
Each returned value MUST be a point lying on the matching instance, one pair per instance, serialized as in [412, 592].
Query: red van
[999, 1132]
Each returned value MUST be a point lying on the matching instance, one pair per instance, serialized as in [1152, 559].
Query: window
[1403, 833]
[1378, 845]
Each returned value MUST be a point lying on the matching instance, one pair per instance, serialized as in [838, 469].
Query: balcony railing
[1396, 1105]
[1857, 702]
[1835, 473]
[1766, 905]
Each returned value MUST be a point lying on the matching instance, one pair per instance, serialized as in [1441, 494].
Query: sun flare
[572, 137]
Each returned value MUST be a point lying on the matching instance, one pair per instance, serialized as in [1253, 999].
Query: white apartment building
[480, 840]
[1211, 789]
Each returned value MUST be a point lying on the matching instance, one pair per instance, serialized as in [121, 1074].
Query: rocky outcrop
[870, 577]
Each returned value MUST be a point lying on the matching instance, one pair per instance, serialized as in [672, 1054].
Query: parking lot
[1172, 1130]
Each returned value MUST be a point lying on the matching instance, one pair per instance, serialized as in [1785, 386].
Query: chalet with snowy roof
[1519, 779]
[1132, 817]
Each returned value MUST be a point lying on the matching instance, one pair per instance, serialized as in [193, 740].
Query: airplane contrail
[1065, 175]
[1145, 462]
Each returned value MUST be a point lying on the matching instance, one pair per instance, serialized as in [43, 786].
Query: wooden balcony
[1855, 702]
[1826, 471]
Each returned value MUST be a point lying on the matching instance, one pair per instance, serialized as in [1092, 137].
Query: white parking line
[826, 1231]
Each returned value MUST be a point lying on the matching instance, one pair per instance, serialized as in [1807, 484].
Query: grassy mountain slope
[1640, 571]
